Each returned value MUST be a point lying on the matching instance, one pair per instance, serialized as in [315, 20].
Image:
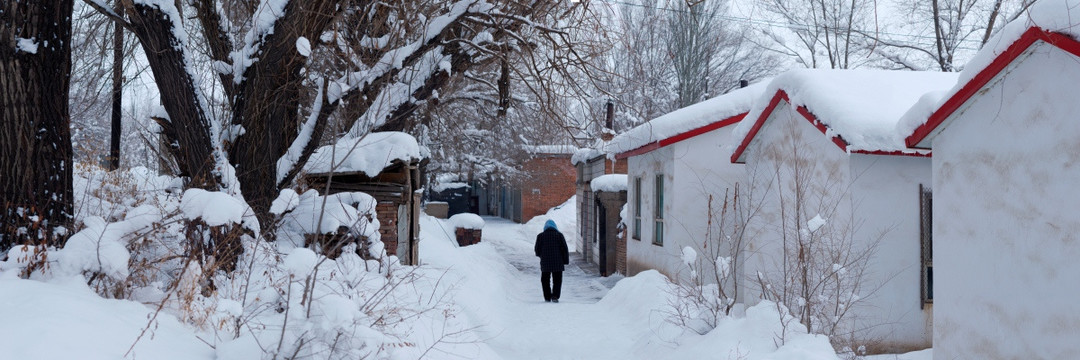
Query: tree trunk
[35, 136]
[117, 94]
[268, 101]
[188, 126]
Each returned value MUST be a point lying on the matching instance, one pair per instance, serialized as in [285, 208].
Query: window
[658, 211]
[637, 208]
[926, 243]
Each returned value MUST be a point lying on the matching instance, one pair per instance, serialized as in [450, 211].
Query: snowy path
[575, 328]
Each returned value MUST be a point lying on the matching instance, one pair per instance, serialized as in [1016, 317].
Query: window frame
[926, 246]
[636, 234]
[658, 210]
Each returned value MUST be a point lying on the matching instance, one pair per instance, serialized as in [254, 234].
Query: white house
[676, 180]
[834, 205]
[1006, 144]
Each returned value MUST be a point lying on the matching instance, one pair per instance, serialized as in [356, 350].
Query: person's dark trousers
[552, 281]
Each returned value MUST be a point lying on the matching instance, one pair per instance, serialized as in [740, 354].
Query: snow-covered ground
[495, 311]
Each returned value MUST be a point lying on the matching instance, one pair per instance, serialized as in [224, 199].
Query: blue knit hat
[550, 224]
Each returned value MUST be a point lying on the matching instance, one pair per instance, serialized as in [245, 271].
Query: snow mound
[217, 208]
[466, 221]
[609, 183]
[565, 216]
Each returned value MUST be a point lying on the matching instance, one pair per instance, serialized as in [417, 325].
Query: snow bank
[217, 208]
[1061, 16]
[565, 216]
[688, 118]
[65, 320]
[609, 183]
[101, 247]
[755, 335]
[862, 106]
[369, 154]
[317, 214]
[466, 221]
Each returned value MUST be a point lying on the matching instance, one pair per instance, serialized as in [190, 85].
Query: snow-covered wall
[857, 201]
[693, 176]
[1005, 205]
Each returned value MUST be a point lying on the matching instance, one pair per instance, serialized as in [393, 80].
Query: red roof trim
[802, 110]
[999, 64]
[780, 95]
[680, 137]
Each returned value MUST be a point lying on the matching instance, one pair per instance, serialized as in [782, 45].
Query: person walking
[551, 248]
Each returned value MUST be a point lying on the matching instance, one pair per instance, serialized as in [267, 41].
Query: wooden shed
[395, 188]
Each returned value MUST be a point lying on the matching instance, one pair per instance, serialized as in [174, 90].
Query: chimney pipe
[743, 83]
[610, 120]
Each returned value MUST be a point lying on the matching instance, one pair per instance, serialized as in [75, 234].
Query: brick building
[547, 181]
[591, 164]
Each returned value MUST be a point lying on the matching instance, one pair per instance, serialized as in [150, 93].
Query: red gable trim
[999, 64]
[680, 137]
[802, 110]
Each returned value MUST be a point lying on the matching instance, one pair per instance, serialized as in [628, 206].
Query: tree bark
[188, 126]
[35, 136]
[117, 94]
[268, 100]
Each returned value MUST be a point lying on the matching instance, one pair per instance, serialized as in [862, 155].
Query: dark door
[601, 237]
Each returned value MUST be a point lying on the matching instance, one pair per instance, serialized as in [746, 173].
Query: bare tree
[826, 31]
[376, 61]
[943, 33]
[35, 137]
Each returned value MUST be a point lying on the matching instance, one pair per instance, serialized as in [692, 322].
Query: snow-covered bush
[283, 299]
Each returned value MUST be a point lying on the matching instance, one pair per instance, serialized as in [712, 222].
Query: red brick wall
[615, 167]
[388, 213]
[620, 253]
[549, 182]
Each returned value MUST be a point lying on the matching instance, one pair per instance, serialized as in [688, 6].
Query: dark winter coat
[551, 248]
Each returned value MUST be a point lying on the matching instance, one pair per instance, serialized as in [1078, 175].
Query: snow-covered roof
[369, 154]
[680, 121]
[551, 149]
[1056, 22]
[584, 154]
[609, 183]
[860, 106]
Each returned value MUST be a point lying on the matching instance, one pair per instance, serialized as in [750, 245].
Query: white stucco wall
[869, 200]
[694, 170]
[885, 192]
[1007, 217]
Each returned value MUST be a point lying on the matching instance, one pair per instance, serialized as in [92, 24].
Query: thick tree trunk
[35, 135]
[188, 126]
[268, 100]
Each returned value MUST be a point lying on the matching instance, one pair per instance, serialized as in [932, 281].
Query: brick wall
[388, 219]
[616, 166]
[620, 253]
[549, 182]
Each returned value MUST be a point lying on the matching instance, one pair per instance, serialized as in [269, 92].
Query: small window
[658, 211]
[637, 208]
[926, 243]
